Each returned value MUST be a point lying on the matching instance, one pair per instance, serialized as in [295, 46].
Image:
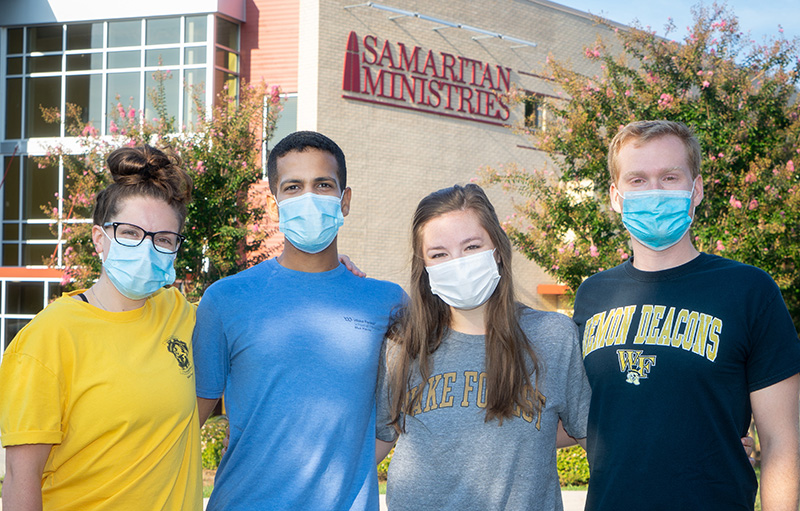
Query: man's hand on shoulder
[350, 266]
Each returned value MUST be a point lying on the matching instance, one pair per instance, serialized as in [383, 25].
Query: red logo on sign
[434, 82]
[352, 65]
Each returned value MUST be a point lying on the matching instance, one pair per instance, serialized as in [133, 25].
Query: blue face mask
[137, 272]
[310, 222]
[658, 219]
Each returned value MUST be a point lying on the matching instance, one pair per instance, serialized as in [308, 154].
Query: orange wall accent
[270, 38]
[7, 272]
[551, 289]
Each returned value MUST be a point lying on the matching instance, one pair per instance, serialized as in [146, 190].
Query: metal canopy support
[485, 34]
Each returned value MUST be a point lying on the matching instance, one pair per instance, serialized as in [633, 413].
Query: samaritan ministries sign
[440, 83]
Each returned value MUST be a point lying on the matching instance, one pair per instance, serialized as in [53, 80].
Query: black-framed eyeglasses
[130, 235]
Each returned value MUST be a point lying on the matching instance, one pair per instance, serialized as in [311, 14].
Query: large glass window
[86, 91]
[95, 66]
[90, 65]
[226, 58]
[13, 107]
[287, 122]
[20, 300]
[84, 37]
[44, 39]
[124, 33]
[42, 93]
[163, 31]
[28, 204]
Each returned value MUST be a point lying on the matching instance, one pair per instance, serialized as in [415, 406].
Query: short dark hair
[300, 141]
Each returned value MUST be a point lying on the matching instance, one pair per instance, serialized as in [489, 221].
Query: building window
[226, 57]
[27, 236]
[20, 301]
[287, 122]
[99, 65]
[535, 113]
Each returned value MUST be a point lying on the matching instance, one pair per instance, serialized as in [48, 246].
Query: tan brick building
[409, 89]
[423, 113]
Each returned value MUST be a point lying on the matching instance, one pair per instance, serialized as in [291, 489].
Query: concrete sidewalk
[573, 501]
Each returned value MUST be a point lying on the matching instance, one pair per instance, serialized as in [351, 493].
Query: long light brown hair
[420, 326]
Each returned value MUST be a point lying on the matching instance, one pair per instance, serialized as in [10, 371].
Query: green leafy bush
[573, 468]
[383, 466]
[212, 434]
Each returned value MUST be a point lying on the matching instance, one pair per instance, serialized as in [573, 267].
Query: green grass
[758, 495]
[382, 487]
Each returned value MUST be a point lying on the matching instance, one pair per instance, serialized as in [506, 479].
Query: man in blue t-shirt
[681, 348]
[293, 344]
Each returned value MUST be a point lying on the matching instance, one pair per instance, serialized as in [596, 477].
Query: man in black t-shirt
[681, 348]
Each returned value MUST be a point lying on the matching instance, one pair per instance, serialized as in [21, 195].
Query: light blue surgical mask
[138, 272]
[658, 219]
[310, 222]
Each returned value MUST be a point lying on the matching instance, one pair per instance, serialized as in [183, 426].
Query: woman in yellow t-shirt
[99, 409]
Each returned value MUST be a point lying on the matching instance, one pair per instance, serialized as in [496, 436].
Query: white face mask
[466, 282]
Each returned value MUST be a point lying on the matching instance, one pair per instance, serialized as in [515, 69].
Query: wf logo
[635, 364]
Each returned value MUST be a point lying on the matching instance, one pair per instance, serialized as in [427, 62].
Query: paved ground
[573, 501]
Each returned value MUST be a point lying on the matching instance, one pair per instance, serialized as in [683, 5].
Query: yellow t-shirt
[114, 391]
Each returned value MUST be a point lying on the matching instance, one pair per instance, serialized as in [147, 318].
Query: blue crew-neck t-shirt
[296, 356]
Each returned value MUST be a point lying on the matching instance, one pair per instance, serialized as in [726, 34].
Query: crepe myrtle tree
[221, 154]
[740, 96]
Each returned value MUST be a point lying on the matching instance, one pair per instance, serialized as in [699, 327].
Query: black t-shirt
[672, 357]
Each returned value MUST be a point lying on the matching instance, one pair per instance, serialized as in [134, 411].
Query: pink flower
[706, 83]
[720, 246]
[750, 177]
[113, 128]
[131, 113]
[735, 203]
[753, 205]
[593, 251]
[665, 101]
[790, 166]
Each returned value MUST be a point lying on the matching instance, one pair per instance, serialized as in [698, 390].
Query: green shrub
[573, 468]
[383, 466]
[212, 434]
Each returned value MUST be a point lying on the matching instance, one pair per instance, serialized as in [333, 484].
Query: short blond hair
[641, 132]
